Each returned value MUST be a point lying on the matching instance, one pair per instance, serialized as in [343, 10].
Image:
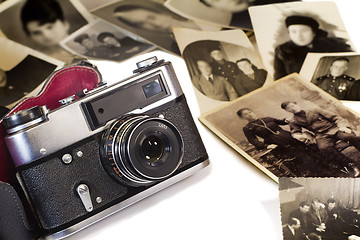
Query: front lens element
[153, 147]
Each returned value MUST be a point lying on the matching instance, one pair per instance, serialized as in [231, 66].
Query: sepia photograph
[225, 13]
[41, 24]
[336, 74]
[320, 208]
[22, 71]
[286, 32]
[305, 134]
[101, 40]
[221, 69]
[149, 20]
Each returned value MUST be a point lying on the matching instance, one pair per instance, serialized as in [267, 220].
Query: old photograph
[41, 25]
[222, 65]
[101, 40]
[149, 20]
[22, 71]
[286, 32]
[320, 208]
[226, 13]
[305, 134]
[337, 74]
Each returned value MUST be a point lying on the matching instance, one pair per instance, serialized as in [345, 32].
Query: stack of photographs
[290, 127]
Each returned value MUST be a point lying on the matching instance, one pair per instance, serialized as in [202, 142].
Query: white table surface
[230, 199]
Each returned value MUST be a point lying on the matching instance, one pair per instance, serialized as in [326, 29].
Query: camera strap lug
[84, 194]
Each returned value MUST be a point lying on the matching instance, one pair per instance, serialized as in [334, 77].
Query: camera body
[105, 151]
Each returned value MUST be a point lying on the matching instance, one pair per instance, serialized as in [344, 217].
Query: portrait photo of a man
[42, 25]
[338, 75]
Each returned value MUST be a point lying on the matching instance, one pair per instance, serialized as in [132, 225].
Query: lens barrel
[139, 150]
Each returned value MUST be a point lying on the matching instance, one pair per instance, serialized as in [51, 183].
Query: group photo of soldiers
[311, 145]
[323, 209]
[223, 71]
[308, 134]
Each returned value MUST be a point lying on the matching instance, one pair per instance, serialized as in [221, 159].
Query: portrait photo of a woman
[305, 36]
[287, 32]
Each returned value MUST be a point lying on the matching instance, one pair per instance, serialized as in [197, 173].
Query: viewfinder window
[152, 88]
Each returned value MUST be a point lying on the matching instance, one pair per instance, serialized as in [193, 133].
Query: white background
[231, 199]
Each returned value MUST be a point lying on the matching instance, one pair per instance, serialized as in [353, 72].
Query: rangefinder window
[115, 103]
[152, 88]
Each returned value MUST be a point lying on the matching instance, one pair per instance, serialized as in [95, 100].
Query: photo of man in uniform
[336, 83]
[222, 67]
[227, 69]
[212, 85]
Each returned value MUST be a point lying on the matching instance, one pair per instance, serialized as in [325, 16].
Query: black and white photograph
[221, 70]
[149, 20]
[286, 32]
[305, 134]
[22, 71]
[336, 74]
[320, 208]
[41, 24]
[226, 13]
[101, 40]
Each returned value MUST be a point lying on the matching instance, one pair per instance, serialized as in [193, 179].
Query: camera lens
[140, 149]
[152, 148]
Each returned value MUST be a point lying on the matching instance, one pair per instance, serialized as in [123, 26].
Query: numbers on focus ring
[162, 125]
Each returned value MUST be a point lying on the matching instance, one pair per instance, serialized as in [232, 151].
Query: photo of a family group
[223, 66]
[307, 134]
[320, 208]
[100, 40]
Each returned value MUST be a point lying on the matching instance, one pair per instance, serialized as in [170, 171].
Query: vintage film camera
[105, 151]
